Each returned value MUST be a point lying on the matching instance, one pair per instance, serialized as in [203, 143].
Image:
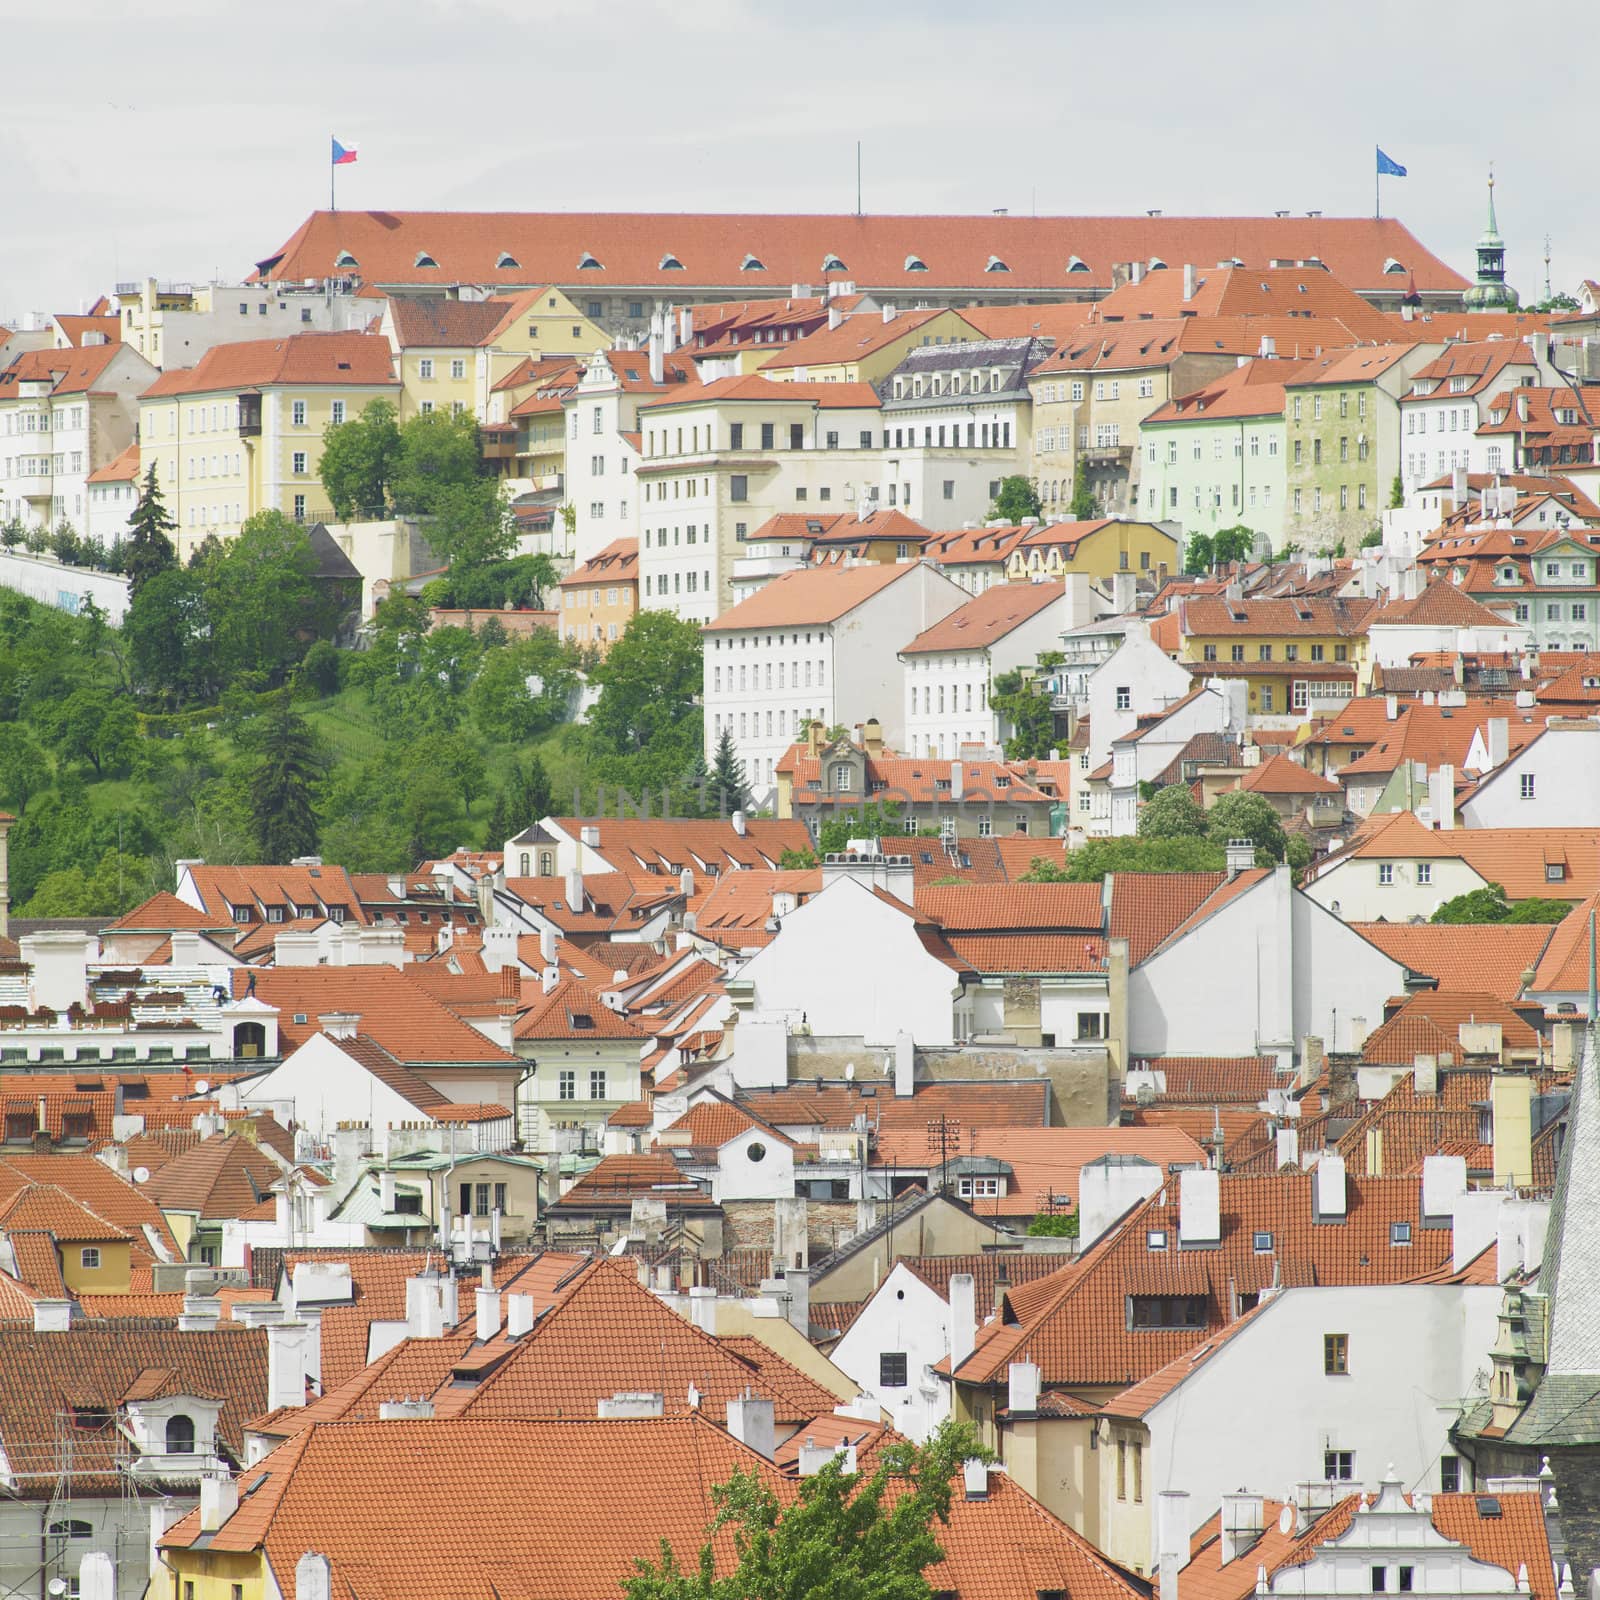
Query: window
[567, 1084]
[1339, 1465]
[597, 1083]
[1124, 697]
[1385, 872]
[297, 413]
[1380, 1579]
[180, 1435]
[1335, 1356]
[1091, 1025]
[1157, 1311]
[1122, 1469]
[425, 367]
[892, 1369]
[1263, 1243]
[1555, 871]
[1526, 786]
[298, 463]
[1399, 1233]
[1449, 1474]
[458, 368]
[89, 1256]
[1407, 1575]
[336, 411]
[978, 1188]
[738, 487]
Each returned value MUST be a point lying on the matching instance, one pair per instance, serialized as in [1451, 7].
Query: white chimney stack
[1172, 1539]
[1188, 282]
[1330, 1191]
[1022, 1394]
[575, 889]
[219, 1499]
[488, 1306]
[751, 1422]
[1199, 1206]
[313, 1577]
[963, 1317]
[519, 1315]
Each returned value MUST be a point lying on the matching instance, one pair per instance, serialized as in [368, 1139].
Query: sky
[189, 138]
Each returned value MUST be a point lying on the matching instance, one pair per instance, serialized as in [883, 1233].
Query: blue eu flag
[1388, 167]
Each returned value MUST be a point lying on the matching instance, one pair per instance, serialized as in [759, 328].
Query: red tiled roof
[1280, 774]
[349, 360]
[1147, 906]
[1431, 1021]
[220, 1178]
[810, 595]
[986, 618]
[572, 1010]
[1482, 957]
[71, 371]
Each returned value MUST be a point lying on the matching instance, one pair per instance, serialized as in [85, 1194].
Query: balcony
[250, 416]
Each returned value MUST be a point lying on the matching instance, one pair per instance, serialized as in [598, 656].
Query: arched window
[527, 864]
[996, 265]
[670, 263]
[916, 264]
[180, 1435]
[587, 262]
[547, 863]
[752, 264]
[249, 1039]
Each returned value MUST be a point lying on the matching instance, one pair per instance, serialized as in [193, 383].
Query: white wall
[742, 1176]
[1353, 886]
[326, 1088]
[1340, 980]
[1154, 680]
[43, 578]
[1414, 1350]
[1564, 764]
[857, 969]
[905, 1314]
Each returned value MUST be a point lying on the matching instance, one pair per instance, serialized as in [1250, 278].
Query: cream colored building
[174, 325]
[242, 432]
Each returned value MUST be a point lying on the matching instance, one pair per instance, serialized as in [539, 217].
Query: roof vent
[670, 263]
[831, 263]
[1077, 264]
[345, 259]
[916, 264]
[752, 263]
[995, 264]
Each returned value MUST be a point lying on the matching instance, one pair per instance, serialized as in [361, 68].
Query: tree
[1092, 861]
[839, 1536]
[289, 765]
[438, 452]
[24, 770]
[96, 726]
[1199, 554]
[319, 669]
[1372, 540]
[1241, 815]
[1232, 544]
[1397, 493]
[524, 688]
[649, 682]
[1489, 904]
[873, 821]
[1026, 706]
[728, 790]
[470, 524]
[169, 637]
[1017, 498]
[148, 549]
[359, 458]
[65, 545]
[1083, 506]
[1173, 813]
[1054, 1225]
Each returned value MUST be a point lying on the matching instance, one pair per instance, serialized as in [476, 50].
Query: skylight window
[916, 264]
[996, 265]
[670, 263]
[587, 261]
[506, 259]
[1077, 264]
[345, 259]
[752, 264]
[1157, 264]
[831, 263]
[424, 260]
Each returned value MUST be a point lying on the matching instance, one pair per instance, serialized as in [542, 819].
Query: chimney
[340, 1024]
[890, 312]
[589, 837]
[1269, 347]
[1022, 1394]
[288, 1345]
[219, 1499]
[905, 1066]
[418, 1410]
[52, 1316]
[751, 1422]
[1240, 855]
[1188, 282]
[1391, 706]
[386, 1191]
[658, 365]
[488, 1301]
[703, 1308]
[1288, 1147]
[549, 978]
[1329, 1188]
[1425, 1074]
[575, 888]
[814, 1457]
[686, 882]
[975, 1478]
[97, 1578]
[201, 1313]
[1172, 1539]
[741, 823]
[630, 1404]
[424, 1308]
[1243, 1523]
[519, 1315]
[797, 1288]
[1444, 809]
[313, 1577]
[963, 1317]
[1511, 1097]
[956, 783]
[1199, 1207]
[835, 315]
[1443, 1179]
[1499, 740]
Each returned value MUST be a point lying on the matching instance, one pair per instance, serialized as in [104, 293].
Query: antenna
[1547, 266]
[858, 177]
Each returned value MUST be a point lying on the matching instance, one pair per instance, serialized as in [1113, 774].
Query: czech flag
[343, 154]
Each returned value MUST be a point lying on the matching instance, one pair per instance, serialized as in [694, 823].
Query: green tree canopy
[649, 682]
[359, 458]
[1093, 860]
[1083, 507]
[1199, 554]
[148, 549]
[1242, 815]
[1017, 498]
[1025, 704]
[289, 763]
[1232, 544]
[1489, 904]
[525, 687]
[1173, 813]
[728, 790]
[24, 768]
[839, 1536]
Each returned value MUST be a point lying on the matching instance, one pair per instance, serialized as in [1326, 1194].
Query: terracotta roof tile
[986, 618]
[350, 360]
[810, 595]
[1481, 957]
[220, 1179]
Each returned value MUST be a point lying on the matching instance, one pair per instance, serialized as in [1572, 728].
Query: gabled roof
[69, 371]
[164, 912]
[1431, 1020]
[573, 1010]
[1281, 774]
[440, 322]
[348, 360]
[617, 563]
[986, 618]
[220, 1179]
[1482, 957]
[1013, 907]
[811, 595]
[1441, 605]
[856, 336]
[1145, 907]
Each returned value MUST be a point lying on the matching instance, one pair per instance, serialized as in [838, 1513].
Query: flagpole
[333, 175]
[1377, 188]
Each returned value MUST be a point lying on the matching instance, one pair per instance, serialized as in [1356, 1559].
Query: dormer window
[995, 264]
[752, 264]
[670, 263]
[1392, 266]
[831, 263]
[506, 259]
[842, 779]
[916, 264]
[345, 260]
[588, 262]
[1077, 264]
[424, 260]
[1156, 264]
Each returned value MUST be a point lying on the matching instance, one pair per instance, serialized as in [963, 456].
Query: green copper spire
[1491, 292]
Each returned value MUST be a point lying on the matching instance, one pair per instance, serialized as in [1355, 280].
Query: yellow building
[866, 347]
[450, 354]
[242, 431]
[524, 431]
[1299, 655]
[599, 598]
[1101, 549]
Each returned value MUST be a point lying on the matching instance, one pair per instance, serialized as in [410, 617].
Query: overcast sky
[191, 137]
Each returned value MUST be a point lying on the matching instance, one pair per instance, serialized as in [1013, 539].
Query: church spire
[1491, 292]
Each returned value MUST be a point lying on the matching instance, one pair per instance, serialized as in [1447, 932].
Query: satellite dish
[850, 1072]
[57, 1586]
[1286, 1520]
[202, 1087]
[141, 1174]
